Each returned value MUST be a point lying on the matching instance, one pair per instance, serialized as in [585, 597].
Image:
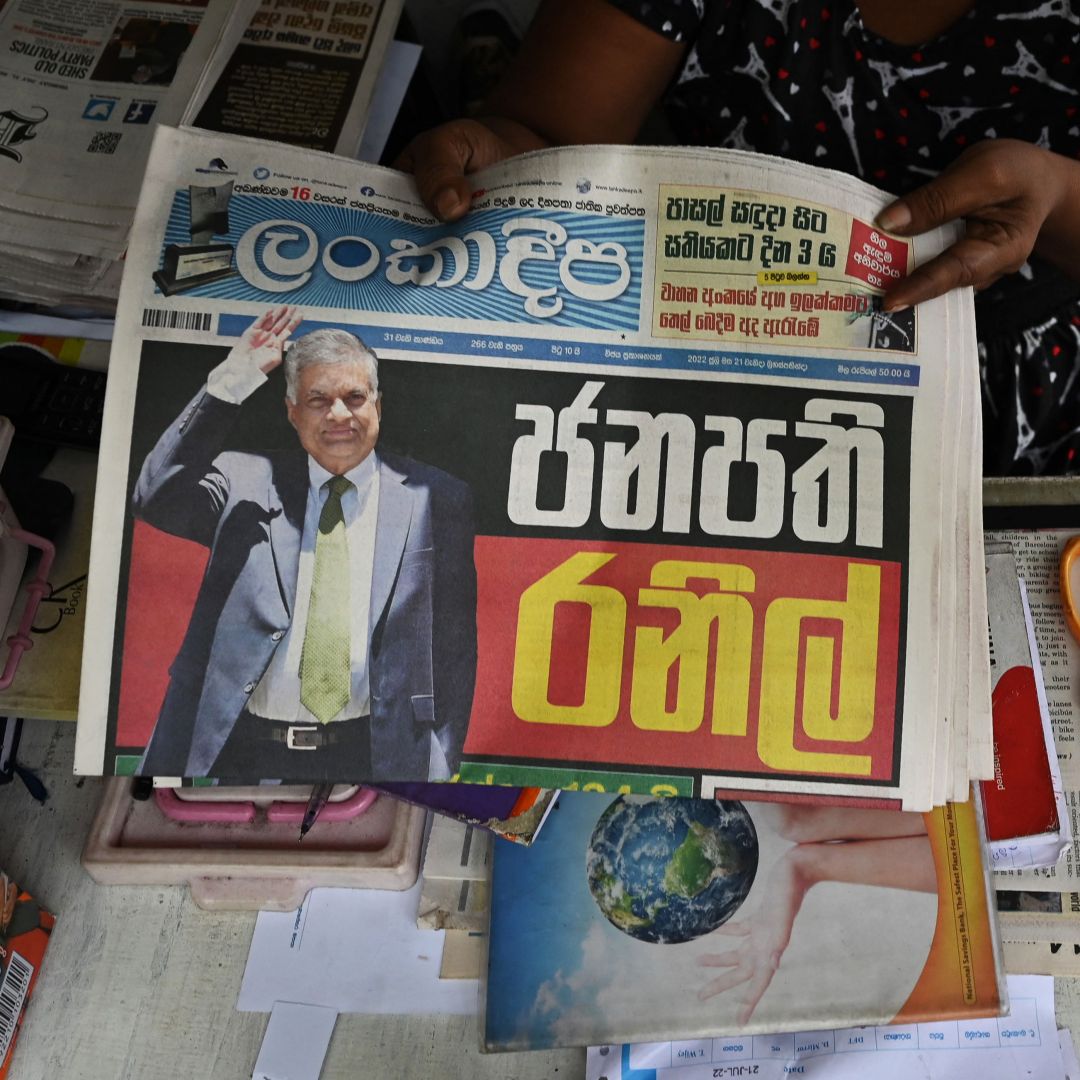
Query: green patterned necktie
[325, 662]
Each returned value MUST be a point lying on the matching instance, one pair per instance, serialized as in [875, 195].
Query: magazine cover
[513, 500]
[638, 919]
[25, 927]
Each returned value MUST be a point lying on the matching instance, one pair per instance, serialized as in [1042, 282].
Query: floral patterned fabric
[808, 81]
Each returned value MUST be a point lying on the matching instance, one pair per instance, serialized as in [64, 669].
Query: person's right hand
[762, 938]
[442, 158]
[262, 344]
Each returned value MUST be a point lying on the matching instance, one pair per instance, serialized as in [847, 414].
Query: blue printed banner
[506, 350]
[544, 267]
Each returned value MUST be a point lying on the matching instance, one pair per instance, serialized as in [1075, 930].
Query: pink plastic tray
[251, 865]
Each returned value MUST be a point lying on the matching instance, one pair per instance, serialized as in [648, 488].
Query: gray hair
[328, 346]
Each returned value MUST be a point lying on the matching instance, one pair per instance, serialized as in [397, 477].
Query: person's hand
[262, 344]
[441, 159]
[9, 893]
[762, 939]
[1006, 190]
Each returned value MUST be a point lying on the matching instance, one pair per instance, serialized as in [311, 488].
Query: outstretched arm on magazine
[857, 847]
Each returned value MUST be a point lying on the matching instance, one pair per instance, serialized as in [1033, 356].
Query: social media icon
[139, 112]
[99, 108]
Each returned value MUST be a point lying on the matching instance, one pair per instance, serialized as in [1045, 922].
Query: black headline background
[462, 419]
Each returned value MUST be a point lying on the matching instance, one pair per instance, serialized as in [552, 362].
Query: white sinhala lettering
[428, 262]
[295, 270]
[824, 480]
[623, 463]
[606, 254]
[525, 461]
[521, 249]
[648, 477]
[350, 273]
[716, 468]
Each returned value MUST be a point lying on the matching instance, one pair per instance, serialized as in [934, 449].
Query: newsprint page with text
[81, 87]
[645, 494]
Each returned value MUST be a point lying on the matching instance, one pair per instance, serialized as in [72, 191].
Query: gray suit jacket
[248, 509]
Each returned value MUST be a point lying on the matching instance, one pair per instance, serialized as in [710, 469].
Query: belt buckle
[291, 733]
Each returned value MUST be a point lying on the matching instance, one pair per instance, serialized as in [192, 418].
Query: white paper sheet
[295, 1044]
[354, 951]
[1023, 1044]
[24, 322]
[398, 67]
[1068, 1054]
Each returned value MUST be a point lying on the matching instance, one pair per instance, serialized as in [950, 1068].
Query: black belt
[302, 737]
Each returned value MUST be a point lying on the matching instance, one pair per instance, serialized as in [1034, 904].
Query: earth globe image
[668, 870]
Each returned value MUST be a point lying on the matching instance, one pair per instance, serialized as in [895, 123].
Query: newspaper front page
[673, 499]
[82, 84]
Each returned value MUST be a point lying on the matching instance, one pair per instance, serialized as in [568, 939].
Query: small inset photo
[144, 51]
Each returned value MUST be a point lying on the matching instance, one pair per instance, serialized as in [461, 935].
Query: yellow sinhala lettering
[688, 647]
[858, 614]
[533, 647]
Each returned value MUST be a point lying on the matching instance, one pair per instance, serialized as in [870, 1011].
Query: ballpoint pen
[320, 796]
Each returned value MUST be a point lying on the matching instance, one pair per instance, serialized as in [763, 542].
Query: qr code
[104, 142]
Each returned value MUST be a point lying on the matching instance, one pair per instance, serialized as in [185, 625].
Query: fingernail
[891, 307]
[897, 216]
[447, 203]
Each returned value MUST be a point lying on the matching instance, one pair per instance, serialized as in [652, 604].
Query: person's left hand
[1005, 189]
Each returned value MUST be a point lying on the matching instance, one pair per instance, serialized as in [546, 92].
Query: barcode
[177, 320]
[13, 991]
[104, 142]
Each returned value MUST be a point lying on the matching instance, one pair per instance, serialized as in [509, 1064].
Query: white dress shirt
[277, 695]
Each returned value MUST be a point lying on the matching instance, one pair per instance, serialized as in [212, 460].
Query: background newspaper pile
[83, 86]
[722, 306]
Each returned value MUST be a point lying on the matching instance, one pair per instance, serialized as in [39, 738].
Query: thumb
[440, 160]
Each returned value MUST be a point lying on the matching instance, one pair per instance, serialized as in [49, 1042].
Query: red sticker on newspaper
[875, 257]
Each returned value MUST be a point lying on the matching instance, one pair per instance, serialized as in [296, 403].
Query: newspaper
[1041, 958]
[1039, 916]
[302, 73]
[685, 503]
[80, 85]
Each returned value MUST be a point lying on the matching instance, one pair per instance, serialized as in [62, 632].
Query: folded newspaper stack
[663, 501]
[86, 84]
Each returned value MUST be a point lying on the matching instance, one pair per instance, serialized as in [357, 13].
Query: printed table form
[1024, 1043]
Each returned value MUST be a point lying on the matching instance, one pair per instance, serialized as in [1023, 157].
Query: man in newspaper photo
[334, 632]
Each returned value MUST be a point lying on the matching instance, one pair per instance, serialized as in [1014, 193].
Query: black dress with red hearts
[808, 81]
